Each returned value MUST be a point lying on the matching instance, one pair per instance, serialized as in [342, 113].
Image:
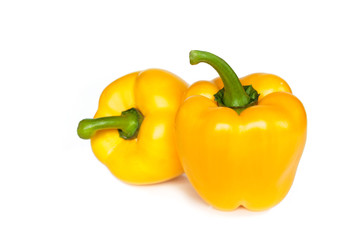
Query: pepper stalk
[128, 124]
[233, 95]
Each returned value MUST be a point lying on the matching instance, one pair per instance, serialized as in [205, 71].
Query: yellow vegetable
[240, 148]
[133, 131]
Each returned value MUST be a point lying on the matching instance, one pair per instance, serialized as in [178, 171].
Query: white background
[56, 57]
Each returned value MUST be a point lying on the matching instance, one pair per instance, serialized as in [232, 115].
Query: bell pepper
[133, 130]
[240, 142]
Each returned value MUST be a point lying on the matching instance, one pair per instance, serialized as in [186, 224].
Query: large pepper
[133, 130]
[239, 148]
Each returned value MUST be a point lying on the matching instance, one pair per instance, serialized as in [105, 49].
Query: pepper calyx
[134, 125]
[250, 91]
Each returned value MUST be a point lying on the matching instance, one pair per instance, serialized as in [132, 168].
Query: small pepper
[240, 145]
[133, 130]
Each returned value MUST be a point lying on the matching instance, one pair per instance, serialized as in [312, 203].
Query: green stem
[127, 124]
[234, 93]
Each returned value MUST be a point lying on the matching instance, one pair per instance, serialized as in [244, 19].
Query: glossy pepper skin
[247, 159]
[146, 155]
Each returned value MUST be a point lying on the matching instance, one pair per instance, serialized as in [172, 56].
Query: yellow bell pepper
[239, 148]
[133, 130]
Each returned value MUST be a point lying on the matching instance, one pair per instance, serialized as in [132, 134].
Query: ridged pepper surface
[133, 130]
[240, 145]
